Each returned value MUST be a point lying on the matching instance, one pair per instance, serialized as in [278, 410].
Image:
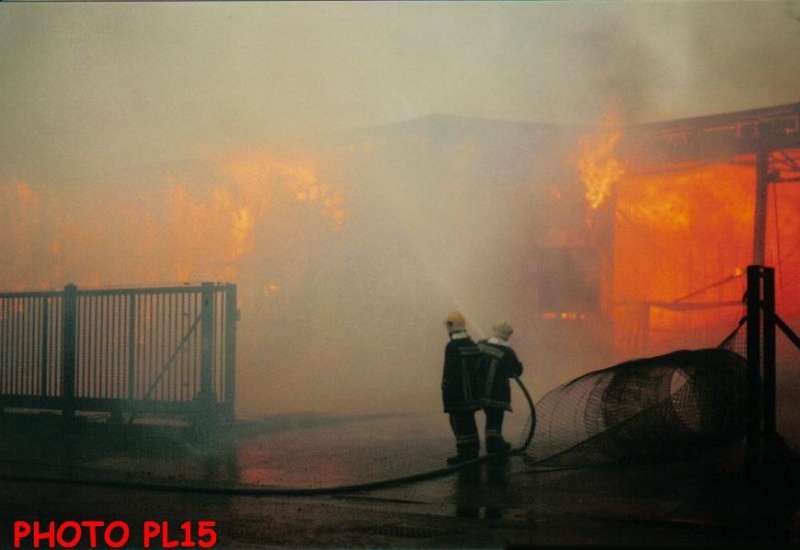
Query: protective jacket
[497, 364]
[459, 382]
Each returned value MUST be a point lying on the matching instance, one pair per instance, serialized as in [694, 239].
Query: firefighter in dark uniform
[459, 388]
[497, 364]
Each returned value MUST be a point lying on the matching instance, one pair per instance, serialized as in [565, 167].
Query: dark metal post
[762, 193]
[68, 350]
[753, 427]
[768, 335]
[231, 320]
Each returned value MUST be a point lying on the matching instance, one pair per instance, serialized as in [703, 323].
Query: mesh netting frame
[652, 407]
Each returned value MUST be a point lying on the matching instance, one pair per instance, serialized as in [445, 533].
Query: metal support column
[761, 357]
[769, 353]
[760, 213]
[754, 406]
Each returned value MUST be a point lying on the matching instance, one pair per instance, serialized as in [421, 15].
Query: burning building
[702, 199]
[602, 244]
[599, 244]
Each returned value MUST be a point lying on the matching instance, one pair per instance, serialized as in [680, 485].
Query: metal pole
[770, 424]
[753, 427]
[762, 192]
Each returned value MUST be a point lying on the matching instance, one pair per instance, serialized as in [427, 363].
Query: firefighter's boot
[467, 450]
[496, 444]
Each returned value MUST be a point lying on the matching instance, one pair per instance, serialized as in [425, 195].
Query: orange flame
[179, 229]
[678, 235]
[255, 203]
[599, 168]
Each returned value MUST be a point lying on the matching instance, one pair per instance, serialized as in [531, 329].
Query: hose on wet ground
[240, 490]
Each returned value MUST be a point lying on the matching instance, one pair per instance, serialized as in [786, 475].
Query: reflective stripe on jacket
[459, 382]
[497, 364]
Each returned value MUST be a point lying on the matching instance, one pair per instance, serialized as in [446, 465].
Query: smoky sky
[101, 86]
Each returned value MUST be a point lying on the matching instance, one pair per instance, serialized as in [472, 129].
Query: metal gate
[165, 351]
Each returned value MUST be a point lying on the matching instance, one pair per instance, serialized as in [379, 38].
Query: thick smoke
[349, 251]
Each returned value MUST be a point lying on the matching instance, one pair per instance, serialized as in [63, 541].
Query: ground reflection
[476, 487]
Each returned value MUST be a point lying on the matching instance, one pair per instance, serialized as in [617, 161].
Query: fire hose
[530, 427]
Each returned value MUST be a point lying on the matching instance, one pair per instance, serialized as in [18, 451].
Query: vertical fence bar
[83, 346]
[57, 345]
[4, 374]
[32, 338]
[120, 338]
[69, 326]
[180, 360]
[83, 372]
[12, 347]
[150, 365]
[44, 363]
[175, 389]
[60, 349]
[7, 347]
[116, 344]
[164, 347]
[29, 314]
[131, 345]
[195, 343]
[231, 320]
[106, 364]
[11, 357]
[207, 342]
[24, 357]
[20, 358]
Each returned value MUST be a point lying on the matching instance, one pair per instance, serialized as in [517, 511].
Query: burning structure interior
[702, 199]
[603, 244]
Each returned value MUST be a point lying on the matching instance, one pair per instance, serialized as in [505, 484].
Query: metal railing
[144, 350]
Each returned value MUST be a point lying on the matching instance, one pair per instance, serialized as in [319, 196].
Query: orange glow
[30, 220]
[181, 227]
[564, 316]
[682, 243]
[271, 288]
[258, 199]
[599, 168]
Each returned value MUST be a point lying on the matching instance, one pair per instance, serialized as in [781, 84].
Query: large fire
[683, 237]
[682, 242]
[177, 228]
[600, 168]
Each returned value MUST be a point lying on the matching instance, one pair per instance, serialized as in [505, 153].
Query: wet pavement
[263, 484]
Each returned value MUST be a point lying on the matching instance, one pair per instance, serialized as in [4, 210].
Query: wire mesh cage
[647, 408]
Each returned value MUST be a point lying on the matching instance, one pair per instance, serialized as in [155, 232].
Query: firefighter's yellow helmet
[455, 321]
[503, 329]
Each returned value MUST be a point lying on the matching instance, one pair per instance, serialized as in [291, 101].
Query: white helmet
[503, 329]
